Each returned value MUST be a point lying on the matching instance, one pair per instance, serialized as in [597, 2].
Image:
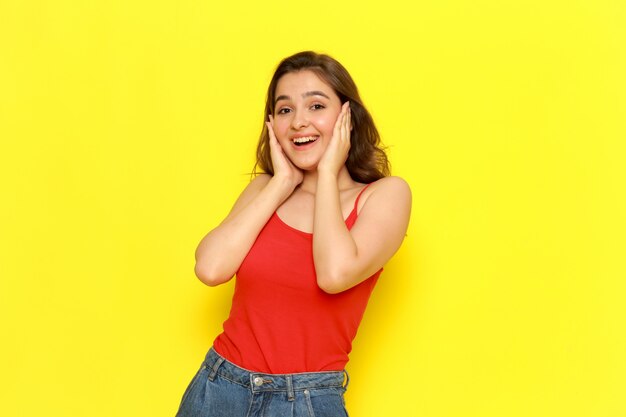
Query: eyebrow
[307, 94]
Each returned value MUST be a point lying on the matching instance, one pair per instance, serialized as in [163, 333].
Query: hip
[222, 388]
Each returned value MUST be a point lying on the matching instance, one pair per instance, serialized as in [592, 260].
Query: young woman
[307, 239]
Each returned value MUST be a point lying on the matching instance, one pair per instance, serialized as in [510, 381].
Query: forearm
[221, 252]
[334, 249]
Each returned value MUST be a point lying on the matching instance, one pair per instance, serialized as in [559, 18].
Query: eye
[284, 110]
[318, 106]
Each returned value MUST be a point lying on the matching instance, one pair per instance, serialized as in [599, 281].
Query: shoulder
[256, 184]
[392, 184]
[394, 190]
[250, 192]
[261, 179]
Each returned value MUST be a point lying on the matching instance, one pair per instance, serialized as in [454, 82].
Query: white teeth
[304, 139]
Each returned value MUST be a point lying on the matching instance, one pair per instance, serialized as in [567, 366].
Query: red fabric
[280, 320]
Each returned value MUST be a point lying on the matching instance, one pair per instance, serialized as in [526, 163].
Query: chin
[305, 164]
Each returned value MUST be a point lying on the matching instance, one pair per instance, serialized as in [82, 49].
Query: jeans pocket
[325, 402]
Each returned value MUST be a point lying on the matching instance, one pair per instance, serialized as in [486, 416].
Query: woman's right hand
[283, 167]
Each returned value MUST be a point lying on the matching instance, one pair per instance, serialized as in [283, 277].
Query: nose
[299, 120]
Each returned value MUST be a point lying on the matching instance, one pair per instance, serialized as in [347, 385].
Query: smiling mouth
[304, 140]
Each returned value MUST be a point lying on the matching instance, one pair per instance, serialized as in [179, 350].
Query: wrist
[282, 184]
[327, 174]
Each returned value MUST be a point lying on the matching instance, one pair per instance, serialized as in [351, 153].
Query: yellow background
[128, 129]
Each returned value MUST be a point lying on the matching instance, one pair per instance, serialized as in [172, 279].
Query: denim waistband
[262, 382]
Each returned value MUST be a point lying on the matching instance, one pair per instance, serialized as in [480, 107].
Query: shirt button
[258, 381]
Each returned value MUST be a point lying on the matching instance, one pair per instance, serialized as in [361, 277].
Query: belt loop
[290, 395]
[347, 381]
[215, 367]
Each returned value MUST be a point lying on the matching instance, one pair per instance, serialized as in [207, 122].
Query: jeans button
[258, 381]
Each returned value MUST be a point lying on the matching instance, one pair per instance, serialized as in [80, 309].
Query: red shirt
[280, 320]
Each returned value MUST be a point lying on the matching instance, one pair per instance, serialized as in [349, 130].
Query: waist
[262, 382]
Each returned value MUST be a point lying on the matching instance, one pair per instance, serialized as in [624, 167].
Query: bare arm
[221, 252]
[344, 258]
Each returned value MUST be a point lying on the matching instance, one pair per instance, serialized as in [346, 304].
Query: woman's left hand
[337, 151]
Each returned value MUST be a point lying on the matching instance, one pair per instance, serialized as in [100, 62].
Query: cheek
[327, 124]
[281, 129]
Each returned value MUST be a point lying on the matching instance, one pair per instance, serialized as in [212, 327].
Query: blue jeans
[222, 389]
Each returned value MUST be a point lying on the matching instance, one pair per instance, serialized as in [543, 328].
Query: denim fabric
[222, 389]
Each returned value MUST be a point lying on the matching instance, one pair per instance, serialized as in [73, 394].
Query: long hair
[367, 161]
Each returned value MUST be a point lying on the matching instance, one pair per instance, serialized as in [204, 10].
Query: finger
[337, 127]
[349, 124]
[273, 142]
[270, 129]
[348, 128]
[271, 125]
[340, 121]
[345, 121]
[344, 113]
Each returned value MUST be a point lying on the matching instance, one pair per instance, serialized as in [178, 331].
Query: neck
[309, 183]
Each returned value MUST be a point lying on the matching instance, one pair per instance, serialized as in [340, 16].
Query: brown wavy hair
[367, 161]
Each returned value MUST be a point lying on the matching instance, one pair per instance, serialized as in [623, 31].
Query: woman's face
[306, 110]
